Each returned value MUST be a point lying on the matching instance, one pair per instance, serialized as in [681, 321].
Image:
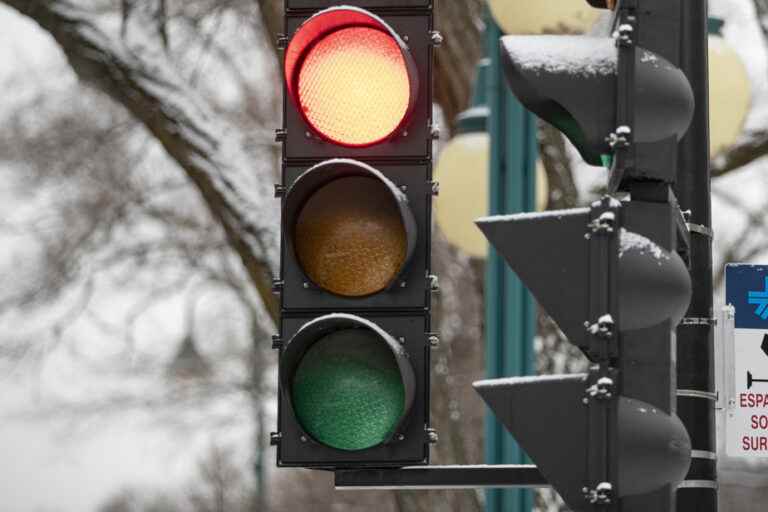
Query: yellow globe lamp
[543, 16]
[462, 171]
[730, 91]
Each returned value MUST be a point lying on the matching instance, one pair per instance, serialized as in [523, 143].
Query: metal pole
[441, 477]
[695, 338]
[510, 314]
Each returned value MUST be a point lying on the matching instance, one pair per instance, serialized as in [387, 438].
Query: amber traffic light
[351, 229]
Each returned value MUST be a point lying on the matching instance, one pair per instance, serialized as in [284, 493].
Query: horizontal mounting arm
[441, 477]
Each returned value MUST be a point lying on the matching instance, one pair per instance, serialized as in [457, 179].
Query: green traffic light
[347, 390]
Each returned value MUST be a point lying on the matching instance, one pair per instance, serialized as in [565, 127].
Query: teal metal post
[510, 312]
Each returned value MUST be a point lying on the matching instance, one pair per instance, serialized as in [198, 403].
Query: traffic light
[613, 276]
[356, 191]
[621, 99]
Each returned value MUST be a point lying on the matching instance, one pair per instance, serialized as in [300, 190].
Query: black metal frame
[441, 477]
[402, 310]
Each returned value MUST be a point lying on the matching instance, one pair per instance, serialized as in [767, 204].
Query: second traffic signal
[612, 279]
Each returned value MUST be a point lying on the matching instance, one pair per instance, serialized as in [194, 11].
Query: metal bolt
[432, 436]
[436, 38]
[308, 134]
[306, 285]
[403, 284]
[401, 339]
[400, 437]
[434, 341]
[303, 439]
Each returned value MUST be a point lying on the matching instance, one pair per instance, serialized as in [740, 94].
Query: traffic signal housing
[621, 99]
[612, 279]
[613, 276]
[355, 280]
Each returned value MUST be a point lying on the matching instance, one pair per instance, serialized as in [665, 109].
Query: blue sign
[746, 289]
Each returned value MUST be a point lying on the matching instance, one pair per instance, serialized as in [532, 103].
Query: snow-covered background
[88, 406]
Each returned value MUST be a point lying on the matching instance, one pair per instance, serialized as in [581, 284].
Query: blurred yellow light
[462, 170]
[730, 95]
[543, 16]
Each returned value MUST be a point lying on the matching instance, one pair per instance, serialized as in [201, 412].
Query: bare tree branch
[562, 188]
[461, 24]
[753, 147]
[146, 14]
[272, 18]
[761, 7]
[200, 142]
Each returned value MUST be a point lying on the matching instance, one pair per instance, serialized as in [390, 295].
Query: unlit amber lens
[354, 87]
[350, 238]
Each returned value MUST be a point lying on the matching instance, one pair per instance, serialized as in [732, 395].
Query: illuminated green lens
[347, 391]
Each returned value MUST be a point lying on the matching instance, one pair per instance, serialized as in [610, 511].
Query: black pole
[442, 477]
[695, 336]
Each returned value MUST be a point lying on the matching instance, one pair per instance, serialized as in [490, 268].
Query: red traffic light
[351, 77]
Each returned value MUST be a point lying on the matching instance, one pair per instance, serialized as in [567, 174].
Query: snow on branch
[145, 15]
[235, 186]
[752, 147]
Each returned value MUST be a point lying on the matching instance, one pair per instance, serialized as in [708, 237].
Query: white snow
[633, 242]
[558, 214]
[563, 54]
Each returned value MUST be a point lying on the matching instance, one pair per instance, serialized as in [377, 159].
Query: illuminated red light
[353, 86]
[351, 77]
